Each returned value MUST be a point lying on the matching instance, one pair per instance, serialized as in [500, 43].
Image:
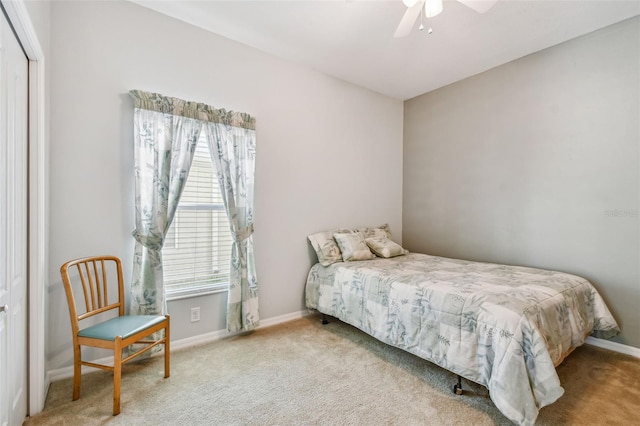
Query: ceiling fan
[433, 8]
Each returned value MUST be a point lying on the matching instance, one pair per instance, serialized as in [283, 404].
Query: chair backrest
[92, 279]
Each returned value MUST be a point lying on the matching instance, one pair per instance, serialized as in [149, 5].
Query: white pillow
[378, 231]
[353, 246]
[384, 247]
[325, 247]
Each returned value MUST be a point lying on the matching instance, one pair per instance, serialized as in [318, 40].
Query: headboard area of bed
[351, 244]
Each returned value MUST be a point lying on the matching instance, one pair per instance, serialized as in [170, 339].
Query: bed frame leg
[324, 320]
[457, 388]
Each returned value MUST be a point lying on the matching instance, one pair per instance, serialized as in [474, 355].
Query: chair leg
[117, 374]
[167, 349]
[77, 371]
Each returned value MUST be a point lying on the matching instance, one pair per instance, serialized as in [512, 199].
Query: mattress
[504, 327]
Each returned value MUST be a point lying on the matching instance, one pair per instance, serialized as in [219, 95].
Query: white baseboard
[285, 318]
[66, 372]
[613, 346]
[188, 342]
[203, 339]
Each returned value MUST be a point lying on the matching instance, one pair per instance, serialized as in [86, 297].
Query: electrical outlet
[195, 314]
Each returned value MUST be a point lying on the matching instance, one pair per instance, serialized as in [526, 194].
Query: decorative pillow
[384, 247]
[380, 231]
[326, 248]
[353, 246]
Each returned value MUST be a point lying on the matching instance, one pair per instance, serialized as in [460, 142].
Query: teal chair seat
[124, 327]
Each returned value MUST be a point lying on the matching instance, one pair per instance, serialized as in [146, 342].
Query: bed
[504, 327]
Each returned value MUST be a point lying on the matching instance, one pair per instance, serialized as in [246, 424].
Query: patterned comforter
[504, 327]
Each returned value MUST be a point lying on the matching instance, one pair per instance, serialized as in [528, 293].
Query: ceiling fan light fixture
[410, 3]
[432, 8]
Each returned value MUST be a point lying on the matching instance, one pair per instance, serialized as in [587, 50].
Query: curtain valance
[196, 110]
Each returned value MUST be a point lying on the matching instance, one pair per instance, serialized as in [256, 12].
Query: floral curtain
[233, 150]
[164, 147]
[166, 133]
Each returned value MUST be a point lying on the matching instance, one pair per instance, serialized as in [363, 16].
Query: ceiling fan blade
[480, 6]
[409, 18]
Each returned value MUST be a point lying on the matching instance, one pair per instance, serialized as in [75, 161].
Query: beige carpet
[303, 373]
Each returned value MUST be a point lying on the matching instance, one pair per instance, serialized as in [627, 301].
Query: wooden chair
[88, 276]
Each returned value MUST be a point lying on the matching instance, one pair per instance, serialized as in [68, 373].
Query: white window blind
[197, 248]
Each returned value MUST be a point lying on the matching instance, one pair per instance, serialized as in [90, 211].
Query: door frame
[38, 154]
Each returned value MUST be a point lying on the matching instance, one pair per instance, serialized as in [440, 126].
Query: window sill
[188, 293]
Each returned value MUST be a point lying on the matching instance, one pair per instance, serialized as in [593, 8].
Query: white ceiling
[353, 40]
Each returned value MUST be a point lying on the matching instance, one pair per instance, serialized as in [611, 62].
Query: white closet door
[13, 227]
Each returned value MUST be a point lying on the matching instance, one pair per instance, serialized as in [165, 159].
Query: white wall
[536, 162]
[329, 153]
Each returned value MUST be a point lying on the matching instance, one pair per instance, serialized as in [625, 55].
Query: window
[197, 248]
